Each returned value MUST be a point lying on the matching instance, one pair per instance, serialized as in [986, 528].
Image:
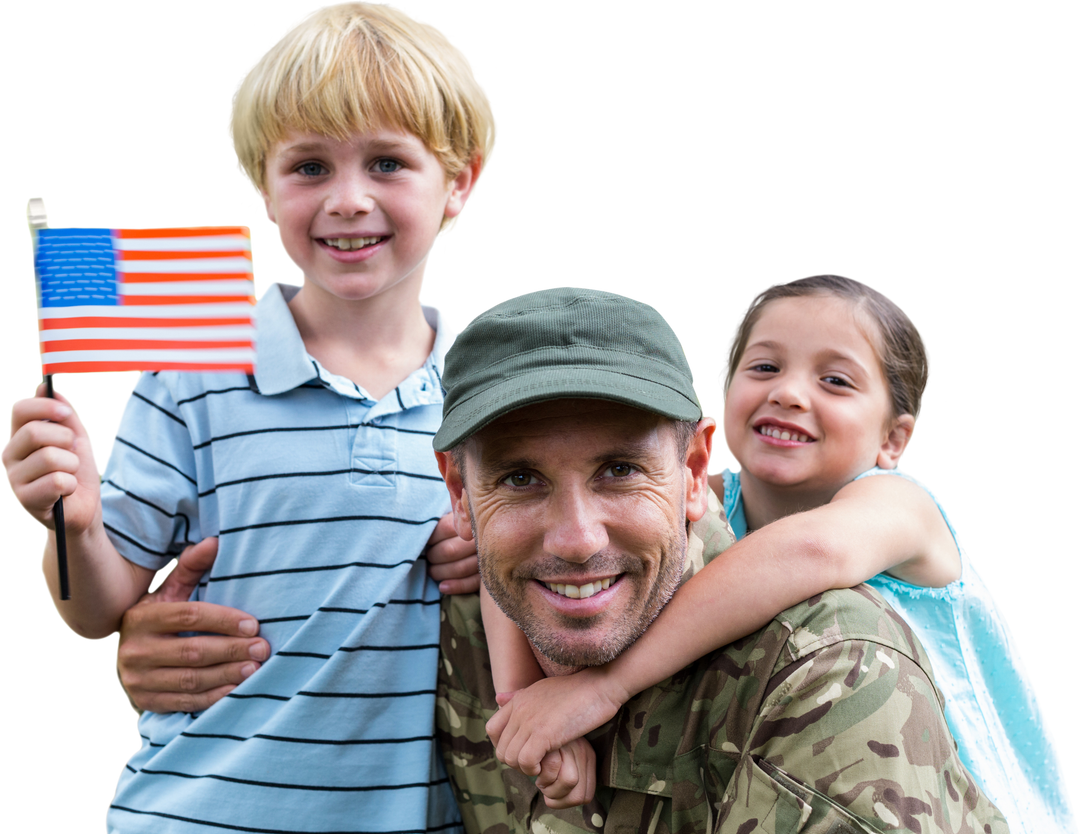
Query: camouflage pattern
[824, 722]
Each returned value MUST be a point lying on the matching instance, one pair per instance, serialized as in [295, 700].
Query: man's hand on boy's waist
[163, 672]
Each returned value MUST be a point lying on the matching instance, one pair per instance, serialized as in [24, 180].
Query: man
[574, 451]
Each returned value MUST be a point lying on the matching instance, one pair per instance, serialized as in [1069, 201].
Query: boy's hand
[549, 714]
[49, 456]
[568, 775]
[163, 672]
[452, 560]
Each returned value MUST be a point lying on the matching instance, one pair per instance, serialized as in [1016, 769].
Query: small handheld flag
[145, 300]
[140, 300]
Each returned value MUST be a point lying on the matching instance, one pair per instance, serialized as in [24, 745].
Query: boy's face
[359, 216]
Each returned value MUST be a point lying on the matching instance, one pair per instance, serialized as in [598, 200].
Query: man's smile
[581, 591]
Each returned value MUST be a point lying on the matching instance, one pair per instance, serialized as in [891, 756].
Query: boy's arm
[513, 665]
[47, 457]
[866, 529]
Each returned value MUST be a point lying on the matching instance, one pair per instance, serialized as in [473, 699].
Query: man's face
[580, 509]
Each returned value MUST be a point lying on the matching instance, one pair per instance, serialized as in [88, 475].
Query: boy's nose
[348, 197]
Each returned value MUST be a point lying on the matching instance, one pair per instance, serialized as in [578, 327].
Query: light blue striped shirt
[323, 500]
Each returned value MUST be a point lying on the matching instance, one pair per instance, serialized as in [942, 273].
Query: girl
[824, 383]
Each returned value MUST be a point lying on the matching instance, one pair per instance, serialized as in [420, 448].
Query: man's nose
[576, 528]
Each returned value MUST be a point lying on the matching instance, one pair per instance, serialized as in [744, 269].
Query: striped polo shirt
[322, 500]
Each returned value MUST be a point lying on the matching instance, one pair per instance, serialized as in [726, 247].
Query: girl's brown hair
[899, 346]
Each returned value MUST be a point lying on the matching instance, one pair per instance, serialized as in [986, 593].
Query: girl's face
[808, 407]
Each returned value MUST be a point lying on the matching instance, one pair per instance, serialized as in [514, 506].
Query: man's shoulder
[727, 690]
[845, 615]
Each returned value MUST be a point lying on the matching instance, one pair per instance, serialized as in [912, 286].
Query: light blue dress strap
[989, 704]
[733, 505]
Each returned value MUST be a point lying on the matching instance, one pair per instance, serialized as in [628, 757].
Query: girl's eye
[620, 470]
[764, 368]
[388, 166]
[520, 479]
[311, 169]
[838, 381]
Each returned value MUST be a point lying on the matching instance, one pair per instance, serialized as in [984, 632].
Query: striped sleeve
[149, 492]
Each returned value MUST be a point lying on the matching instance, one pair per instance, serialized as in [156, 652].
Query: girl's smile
[808, 407]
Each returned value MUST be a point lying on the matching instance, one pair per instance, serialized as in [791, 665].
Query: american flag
[145, 299]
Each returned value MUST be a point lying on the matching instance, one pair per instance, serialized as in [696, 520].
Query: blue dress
[989, 704]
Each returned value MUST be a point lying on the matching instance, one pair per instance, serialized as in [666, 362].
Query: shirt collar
[282, 362]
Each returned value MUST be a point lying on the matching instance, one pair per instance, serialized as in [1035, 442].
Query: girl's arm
[513, 665]
[875, 524]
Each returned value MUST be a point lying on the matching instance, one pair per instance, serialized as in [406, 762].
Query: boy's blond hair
[357, 67]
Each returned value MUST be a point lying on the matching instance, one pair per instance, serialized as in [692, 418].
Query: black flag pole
[35, 216]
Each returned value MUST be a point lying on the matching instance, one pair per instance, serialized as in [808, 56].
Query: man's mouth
[581, 591]
[782, 434]
[347, 244]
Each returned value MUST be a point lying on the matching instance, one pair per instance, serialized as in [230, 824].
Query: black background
[687, 161]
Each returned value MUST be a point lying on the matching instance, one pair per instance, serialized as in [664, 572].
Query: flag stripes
[145, 299]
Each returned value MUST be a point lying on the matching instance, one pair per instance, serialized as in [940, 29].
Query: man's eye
[520, 479]
[311, 169]
[620, 470]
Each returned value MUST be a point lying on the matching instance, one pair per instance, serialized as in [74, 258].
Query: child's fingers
[443, 530]
[557, 774]
[469, 585]
[40, 476]
[575, 781]
[449, 550]
[39, 408]
[460, 569]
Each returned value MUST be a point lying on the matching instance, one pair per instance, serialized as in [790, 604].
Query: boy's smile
[360, 215]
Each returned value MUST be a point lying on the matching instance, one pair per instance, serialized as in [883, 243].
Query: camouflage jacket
[824, 722]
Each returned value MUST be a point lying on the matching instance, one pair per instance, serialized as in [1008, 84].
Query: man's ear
[895, 442]
[459, 500]
[697, 469]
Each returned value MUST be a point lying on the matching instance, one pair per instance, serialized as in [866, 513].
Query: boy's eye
[520, 479]
[311, 169]
[387, 166]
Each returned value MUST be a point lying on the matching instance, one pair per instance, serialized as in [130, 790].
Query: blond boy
[364, 132]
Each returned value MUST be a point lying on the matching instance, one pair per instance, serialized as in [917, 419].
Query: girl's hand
[452, 560]
[550, 714]
[568, 775]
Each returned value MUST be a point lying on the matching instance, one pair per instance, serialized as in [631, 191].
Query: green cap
[564, 343]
